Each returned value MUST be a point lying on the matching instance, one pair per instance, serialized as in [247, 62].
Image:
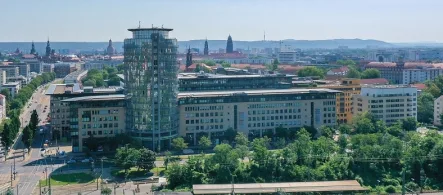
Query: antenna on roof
[152, 25]
[162, 25]
[139, 24]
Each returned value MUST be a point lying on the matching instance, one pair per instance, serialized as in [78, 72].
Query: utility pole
[50, 190]
[40, 185]
[11, 176]
[101, 175]
[17, 189]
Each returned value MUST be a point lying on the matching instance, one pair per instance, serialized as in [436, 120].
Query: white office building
[389, 103]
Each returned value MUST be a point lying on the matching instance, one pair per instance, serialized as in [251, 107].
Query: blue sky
[99, 20]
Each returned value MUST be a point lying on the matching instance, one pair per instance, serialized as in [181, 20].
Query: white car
[86, 160]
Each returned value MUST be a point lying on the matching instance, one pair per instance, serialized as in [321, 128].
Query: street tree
[204, 142]
[27, 136]
[425, 108]
[229, 134]
[311, 71]
[106, 191]
[34, 120]
[353, 73]
[127, 157]
[409, 124]
[179, 144]
[241, 139]
[146, 159]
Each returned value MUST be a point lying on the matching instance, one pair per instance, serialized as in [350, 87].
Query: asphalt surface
[31, 169]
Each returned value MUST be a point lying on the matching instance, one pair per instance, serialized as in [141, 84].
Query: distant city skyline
[98, 20]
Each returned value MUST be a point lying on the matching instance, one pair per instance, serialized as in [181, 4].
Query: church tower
[48, 49]
[33, 49]
[188, 58]
[206, 50]
[110, 50]
[229, 45]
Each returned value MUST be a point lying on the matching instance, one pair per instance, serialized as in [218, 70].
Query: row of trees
[30, 130]
[96, 78]
[366, 150]
[15, 105]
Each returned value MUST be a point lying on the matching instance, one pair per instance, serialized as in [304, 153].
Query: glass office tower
[150, 69]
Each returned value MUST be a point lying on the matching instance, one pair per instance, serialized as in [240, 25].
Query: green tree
[353, 73]
[127, 157]
[27, 136]
[326, 131]
[7, 134]
[363, 123]
[230, 134]
[433, 89]
[34, 121]
[179, 144]
[409, 124]
[114, 81]
[310, 71]
[146, 159]
[370, 73]
[6, 93]
[226, 65]
[90, 82]
[241, 139]
[425, 108]
[105, 191]
[204, 142]
[344, 129]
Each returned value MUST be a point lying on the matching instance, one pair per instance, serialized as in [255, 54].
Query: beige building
[389, 103]
[254, 112]
[59, 110]
[98, 116]
[438, 110]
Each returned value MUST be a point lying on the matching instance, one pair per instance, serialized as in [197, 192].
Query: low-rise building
[13, 87]
[97, 116]
[388, 103]
[254, 113]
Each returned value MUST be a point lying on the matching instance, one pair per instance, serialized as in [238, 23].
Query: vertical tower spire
[206, 50]
[229, 45]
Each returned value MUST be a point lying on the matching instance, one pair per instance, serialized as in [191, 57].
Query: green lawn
[134, 172]
[72, 178]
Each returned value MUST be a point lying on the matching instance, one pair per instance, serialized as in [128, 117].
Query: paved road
[29, 170]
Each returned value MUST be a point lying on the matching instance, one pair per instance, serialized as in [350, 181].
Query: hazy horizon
[394, 21]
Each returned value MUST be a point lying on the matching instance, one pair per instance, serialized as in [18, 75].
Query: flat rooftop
[62, 88]
[258, 188]
[153, 29]
[254, 92]
[387, 86]
[96, 98]
[198, 75]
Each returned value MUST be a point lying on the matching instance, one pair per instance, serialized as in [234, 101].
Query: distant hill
[213, 45]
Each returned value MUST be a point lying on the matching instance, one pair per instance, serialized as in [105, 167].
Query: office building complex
[11, 71]
[60, 111]
[151, 85]
[217, 82]
[253, 112]
[388, 103]
[98, 116]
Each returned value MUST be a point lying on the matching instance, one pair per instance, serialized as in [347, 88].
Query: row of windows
[258, 112]
[205, 127]
[275, 124]
[328, 103]
[95, 126]
[101, 112]
[104, 132]
[202, 121]
[96, 119]
[276, 105]
[207, 114]
[274, 117]
[199, 108]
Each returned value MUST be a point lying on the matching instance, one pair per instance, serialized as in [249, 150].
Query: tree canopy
[311, 71]
[370, 73]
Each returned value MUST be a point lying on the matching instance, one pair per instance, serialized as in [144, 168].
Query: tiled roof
[419, 86]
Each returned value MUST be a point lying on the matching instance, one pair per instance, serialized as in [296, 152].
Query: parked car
[87, 160]
[70, 161]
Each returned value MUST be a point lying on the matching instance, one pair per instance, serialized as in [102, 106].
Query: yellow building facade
[349, 87]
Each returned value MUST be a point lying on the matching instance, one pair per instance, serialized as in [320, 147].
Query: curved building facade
[150, 69]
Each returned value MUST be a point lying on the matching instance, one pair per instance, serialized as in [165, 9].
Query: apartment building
[23, 69]
[253, 112]
[389, 103]
[438, 110]
[420, 75]
[98, 116]
[11, 71]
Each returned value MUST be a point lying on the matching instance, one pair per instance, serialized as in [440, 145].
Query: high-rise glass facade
[150, 69]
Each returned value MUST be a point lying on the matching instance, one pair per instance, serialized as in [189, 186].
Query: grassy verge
[135, 172]
[72, 178]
